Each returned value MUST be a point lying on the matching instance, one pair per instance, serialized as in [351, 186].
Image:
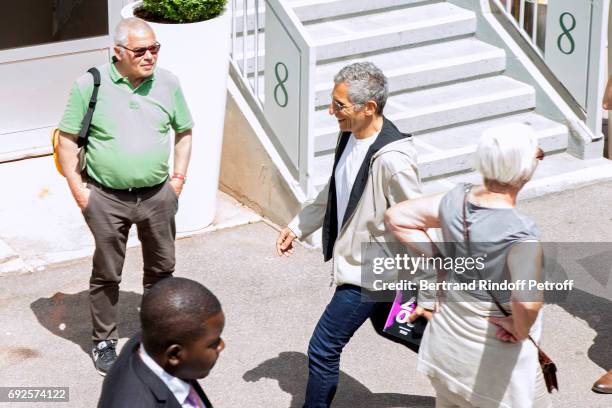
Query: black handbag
[390, 320]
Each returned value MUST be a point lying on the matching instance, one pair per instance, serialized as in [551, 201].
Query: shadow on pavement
[595, 311]
[67, 316]
[290, 369]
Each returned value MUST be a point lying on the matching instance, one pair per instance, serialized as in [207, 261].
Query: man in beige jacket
[374, 167]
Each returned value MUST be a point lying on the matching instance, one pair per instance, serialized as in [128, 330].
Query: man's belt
[134, 190]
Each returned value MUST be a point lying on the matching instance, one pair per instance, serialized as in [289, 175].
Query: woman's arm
[524, 264]
[410, 219]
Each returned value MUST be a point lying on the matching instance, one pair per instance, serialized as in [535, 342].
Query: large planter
[198, 54]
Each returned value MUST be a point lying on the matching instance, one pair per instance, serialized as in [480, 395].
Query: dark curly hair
[174, 312]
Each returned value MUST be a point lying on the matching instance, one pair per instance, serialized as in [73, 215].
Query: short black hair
[173, 311]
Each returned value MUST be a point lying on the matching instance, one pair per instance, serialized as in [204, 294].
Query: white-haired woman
[473, 354]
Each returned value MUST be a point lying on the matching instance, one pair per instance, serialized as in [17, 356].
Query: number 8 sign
[280, 69]
[568, 28]
[567, 33]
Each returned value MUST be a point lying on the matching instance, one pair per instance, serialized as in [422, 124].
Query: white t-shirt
[347, 169]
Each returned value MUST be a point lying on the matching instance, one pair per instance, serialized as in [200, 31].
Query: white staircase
[446, 85]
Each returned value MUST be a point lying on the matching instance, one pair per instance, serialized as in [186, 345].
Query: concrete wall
[248, 173]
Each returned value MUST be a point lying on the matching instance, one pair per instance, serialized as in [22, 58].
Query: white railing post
[233, 50]
[534, 17]
[597, 65]
[519, 24]
[256, 59]
[245, 32]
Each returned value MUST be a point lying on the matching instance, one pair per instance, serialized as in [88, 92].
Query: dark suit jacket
[131, 384]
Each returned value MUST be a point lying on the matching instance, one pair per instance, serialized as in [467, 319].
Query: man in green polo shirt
[127, 179]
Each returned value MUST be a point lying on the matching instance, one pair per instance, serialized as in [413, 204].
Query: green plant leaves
[185, 11]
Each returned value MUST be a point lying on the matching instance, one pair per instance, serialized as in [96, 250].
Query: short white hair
[127, 25]
[506, 154]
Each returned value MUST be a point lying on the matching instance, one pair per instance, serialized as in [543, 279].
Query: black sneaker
[104, 355]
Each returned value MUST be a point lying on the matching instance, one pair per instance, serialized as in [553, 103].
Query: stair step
[388, 29]
[451, 150]
[421, 66]
[310, 10]
[474, 58]
[555, 173]
[442, 106]
[446, 63]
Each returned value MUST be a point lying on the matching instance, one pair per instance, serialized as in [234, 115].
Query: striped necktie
[193, 399]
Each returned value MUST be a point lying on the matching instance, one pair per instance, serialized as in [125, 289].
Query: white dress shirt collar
[178, 387]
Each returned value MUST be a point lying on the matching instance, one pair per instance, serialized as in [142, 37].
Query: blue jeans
[345, 313]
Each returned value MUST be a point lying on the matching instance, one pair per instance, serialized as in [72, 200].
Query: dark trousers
[109, 215]
[344, 314]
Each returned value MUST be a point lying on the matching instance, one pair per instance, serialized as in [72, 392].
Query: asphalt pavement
[272, 305]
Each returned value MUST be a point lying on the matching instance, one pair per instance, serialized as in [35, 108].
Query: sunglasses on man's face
[141, 51]
[539, 154]
[339, 106]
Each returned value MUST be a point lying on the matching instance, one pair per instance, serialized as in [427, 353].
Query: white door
[44, 46]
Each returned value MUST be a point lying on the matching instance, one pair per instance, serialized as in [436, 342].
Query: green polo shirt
[129, 137]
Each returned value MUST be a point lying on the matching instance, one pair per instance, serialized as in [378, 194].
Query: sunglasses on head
[141, 51]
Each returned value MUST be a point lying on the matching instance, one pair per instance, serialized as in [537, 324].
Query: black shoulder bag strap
[549, 369]
[83, 134]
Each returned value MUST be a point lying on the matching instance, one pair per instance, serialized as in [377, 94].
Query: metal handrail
[298, 161]
[516, 12]
[242, 63]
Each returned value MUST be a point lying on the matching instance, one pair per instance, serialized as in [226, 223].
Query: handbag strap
[86, 123]
[466, 238]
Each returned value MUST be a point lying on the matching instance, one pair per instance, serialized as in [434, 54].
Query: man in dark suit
[180, 342]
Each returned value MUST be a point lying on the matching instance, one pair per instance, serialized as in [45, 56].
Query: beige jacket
[393, 178]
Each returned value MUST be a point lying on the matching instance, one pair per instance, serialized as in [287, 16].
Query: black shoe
[104, 355]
